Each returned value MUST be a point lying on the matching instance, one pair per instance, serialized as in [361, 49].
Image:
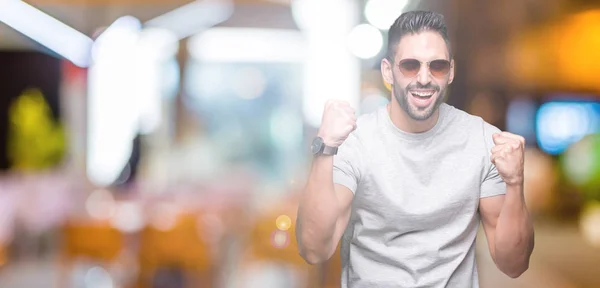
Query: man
[410, 182]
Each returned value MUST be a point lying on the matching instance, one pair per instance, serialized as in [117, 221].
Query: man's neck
[407, 124]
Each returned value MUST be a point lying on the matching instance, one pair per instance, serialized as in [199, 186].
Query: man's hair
[414, 22]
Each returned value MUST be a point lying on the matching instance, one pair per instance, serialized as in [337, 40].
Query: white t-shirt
[416, 196]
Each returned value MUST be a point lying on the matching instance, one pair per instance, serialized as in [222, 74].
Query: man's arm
[505, 218]
[323, 213]
[325, 207]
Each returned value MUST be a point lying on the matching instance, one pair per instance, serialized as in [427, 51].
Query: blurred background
[163, 143]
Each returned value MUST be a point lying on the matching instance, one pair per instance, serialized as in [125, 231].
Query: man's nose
[424, 77]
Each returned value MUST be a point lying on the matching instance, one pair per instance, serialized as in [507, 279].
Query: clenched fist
[508, 156]
[339, 120]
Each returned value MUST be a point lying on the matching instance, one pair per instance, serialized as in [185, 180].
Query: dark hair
[414, 22]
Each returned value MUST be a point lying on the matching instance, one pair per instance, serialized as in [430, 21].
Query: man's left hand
[508, 156]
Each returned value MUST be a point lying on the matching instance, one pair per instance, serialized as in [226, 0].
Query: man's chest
[419, 189]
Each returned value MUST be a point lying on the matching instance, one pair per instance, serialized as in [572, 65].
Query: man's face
[419, 85]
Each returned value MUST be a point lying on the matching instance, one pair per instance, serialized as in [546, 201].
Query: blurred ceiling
[87, 16]
[484, 34]
[142, 2]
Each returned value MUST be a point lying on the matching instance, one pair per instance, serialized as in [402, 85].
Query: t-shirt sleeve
[492, 184]
[347, 163]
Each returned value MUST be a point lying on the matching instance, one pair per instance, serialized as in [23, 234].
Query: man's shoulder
[458, 114]
[370, 118]
[366, 125]
[368, 122]
[475, 125]
[464, 118]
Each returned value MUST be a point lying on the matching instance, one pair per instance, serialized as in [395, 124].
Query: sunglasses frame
[428, 66]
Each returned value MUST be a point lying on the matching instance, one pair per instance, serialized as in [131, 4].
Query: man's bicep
[347, 168]
[489, 210]
[347, 164]
[492, 184]
[345, 196]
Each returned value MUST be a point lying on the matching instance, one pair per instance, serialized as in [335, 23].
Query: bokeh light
[590, 223]
[365, 41]
[129, 217]
[561, 123]
[581, 163]
[100, 204]
[164, 217]
[576, 49]
[383, 13]
[280, 239]
[283, 222]
[98, 277]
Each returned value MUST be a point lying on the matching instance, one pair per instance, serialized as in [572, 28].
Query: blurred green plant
[35, 140]
[581, 166]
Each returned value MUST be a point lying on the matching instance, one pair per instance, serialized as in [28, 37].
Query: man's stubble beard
[402, 95]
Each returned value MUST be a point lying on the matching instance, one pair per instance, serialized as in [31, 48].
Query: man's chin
[422, 113]
[418, 110]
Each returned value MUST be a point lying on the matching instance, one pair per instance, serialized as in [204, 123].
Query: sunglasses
[411, 67]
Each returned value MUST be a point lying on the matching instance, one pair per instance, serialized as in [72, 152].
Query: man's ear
[386, 71]
[451, 72]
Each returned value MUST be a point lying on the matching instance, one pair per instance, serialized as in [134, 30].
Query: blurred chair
[264, 243]
[97, 241]
[179, 249]
[268, 243]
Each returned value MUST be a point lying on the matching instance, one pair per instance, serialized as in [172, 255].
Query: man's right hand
[339, 120]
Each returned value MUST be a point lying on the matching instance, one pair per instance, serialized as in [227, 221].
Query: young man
[410, 182]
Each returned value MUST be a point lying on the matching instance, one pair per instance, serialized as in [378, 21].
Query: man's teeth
[422, 94]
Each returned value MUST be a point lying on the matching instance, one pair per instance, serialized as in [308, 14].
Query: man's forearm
[318, 211]
[514, 237]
